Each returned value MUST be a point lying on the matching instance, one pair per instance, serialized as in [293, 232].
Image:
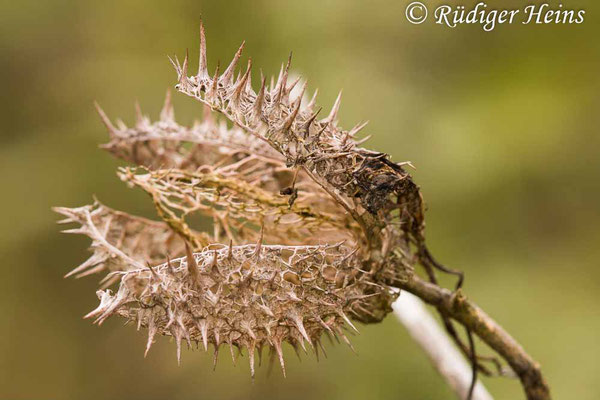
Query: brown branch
[458, 307]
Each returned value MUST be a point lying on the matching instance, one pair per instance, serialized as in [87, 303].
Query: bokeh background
[502, 126]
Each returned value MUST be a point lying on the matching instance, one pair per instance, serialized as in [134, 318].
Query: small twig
[473, 364]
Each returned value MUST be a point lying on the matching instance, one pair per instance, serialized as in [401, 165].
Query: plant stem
[445, 357]
[458, 307]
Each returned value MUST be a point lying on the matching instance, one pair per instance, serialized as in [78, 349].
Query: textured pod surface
[250, 296]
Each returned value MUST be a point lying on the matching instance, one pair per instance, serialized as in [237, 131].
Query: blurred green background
[502, 127]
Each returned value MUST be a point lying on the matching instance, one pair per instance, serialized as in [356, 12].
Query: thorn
[248, 87]
[237, 93]
[185, 331]
[341, 314]
[167, 114]
[203, 327]
[86, 264]
[282, 81]
[334, 110]
[169, 265]
[266, 309]
[361, 141]
[140, 315]
[108, 311]
[288, 123]
[228, 74]
[251, 357]
[346, 340]
[151, 332]
[318, 135]
[154, 274]
[217, 336]
[207, 115]
[232, 352]
[259, 243]
[298, 321]
[289, 89]
[215, 81]
[184, 68]
[312, 101]
[275, 87]
[215, 357]
[111, 129]
[323, 324]
[357, 128]
[230, 250]
[192, 265]
[287, 69]
[277, 344]
[260, 99]
[309, 121]
[183, 79]
[171, 315]
[260, 349]
[322, 347]
[105, 301]
[213, 267]
[202, 66]
[176, 332]
[176, 66]
[138, 114]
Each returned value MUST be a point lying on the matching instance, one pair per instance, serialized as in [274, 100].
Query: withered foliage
[308, 227]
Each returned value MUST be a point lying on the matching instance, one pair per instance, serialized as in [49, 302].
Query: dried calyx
[338, 221]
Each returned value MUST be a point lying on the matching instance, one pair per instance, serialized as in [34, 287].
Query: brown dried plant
[310, 231]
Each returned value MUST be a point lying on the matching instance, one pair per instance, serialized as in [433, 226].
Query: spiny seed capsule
[250, 297]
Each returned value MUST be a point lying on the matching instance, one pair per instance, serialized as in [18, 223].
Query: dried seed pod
[248, 299]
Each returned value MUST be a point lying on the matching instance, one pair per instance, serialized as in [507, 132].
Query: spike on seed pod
[202, 65]
[230, 250]
[105, 119]
[212, 93]
[192, 264]
[241, 85]
[334, 110]
[227, 76]
[258, 103]
[139, 116]
[166, 114]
